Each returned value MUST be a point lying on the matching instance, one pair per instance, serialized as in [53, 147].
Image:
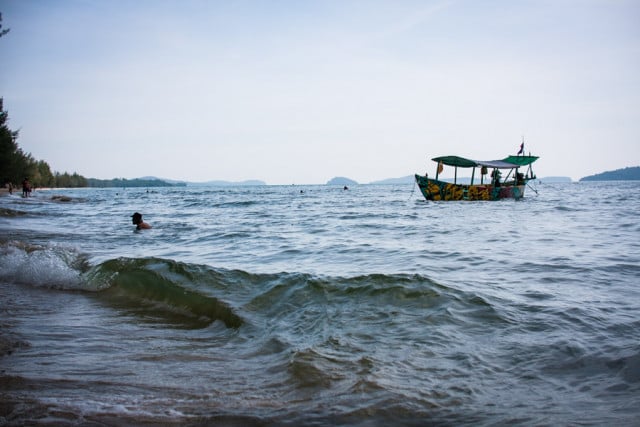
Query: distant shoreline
[4, 191]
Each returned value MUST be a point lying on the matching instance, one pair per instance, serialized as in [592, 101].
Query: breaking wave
[148, 286]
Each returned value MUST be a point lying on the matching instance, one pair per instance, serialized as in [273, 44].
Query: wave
[198, 295]
[43, 266]
[150, 287]
[160, 287]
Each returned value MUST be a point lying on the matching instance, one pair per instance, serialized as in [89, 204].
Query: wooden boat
[496, 188]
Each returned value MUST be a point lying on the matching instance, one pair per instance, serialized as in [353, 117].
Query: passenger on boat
[495, 177]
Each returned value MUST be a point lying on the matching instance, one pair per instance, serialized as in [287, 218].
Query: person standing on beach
[26, 188]
[136, 218]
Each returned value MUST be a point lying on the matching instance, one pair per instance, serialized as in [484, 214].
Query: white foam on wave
[114, 407]
[51, 267]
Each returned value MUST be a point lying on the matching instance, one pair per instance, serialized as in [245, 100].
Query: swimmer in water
[136, 218]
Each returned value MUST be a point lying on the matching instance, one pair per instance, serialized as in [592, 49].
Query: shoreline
[4, 191]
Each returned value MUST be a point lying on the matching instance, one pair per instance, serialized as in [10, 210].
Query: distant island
[409, 179]
[228, 183]
[555, 179]
[340, 180]
[152, 181]
[131, 183]
[215, 183]
[626, 174]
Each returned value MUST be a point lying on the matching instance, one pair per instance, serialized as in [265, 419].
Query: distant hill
[130, 183]
[229, 183]
[409, 179]
[626, 174]
[217, 183]
[340, 180]
[170, 181]
[554, 179]
[152, 181]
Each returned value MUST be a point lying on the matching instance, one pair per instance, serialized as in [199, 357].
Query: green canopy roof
[510, 162]
[455, 161]
[520, 160]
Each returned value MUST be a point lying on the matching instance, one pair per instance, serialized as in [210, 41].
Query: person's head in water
[136, 218]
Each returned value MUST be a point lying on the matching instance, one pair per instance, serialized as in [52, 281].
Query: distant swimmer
[136, 218]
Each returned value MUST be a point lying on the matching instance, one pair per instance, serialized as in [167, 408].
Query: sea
[319, 306]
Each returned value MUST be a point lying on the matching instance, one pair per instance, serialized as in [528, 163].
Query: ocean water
[311, 305]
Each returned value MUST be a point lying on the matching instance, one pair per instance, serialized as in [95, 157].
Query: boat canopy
[497, 164]
[456, 161]
[511, 162]
[520, 160]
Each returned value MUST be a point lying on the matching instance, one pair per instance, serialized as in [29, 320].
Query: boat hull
[437, 190]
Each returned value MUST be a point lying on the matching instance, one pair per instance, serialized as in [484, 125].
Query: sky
[298, 92]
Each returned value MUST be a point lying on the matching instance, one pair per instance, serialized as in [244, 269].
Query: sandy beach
[4, 191]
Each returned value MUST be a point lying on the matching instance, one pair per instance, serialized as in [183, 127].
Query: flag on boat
[521, 148]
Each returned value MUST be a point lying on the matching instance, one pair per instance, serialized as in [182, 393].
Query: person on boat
[136, 218]
[495, 175]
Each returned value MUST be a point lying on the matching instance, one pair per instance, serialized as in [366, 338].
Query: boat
[496, 187]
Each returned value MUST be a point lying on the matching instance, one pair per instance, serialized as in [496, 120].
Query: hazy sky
[295, 91]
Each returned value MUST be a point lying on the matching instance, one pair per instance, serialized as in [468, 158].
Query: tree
[70, 181]
[10, 154]
[9, 150]
[2, 32]
[15, 165]
[46, 177]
